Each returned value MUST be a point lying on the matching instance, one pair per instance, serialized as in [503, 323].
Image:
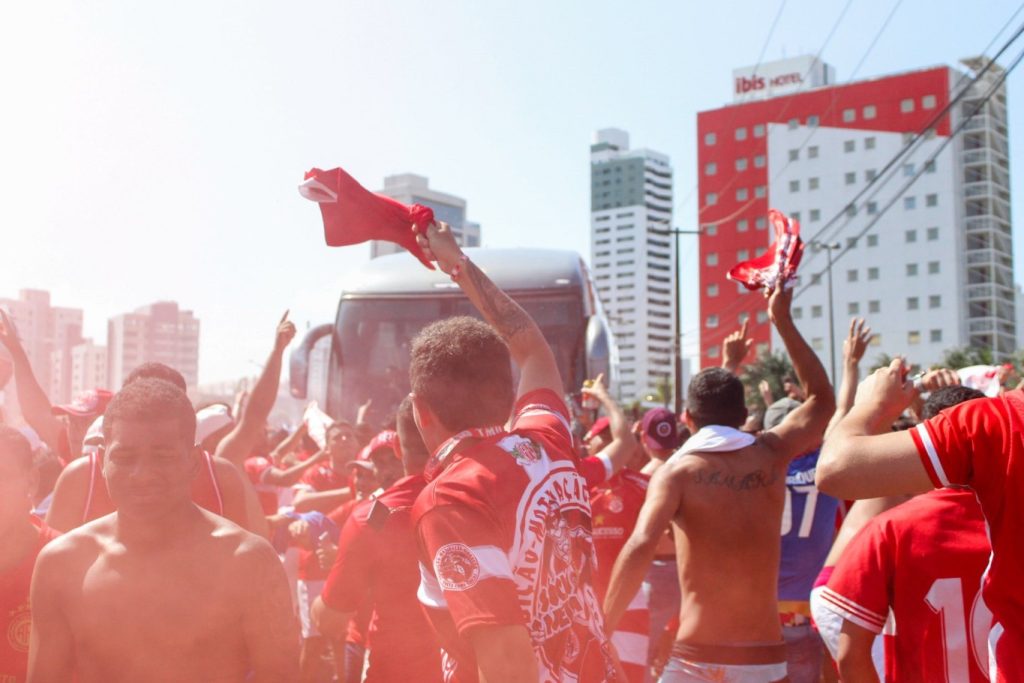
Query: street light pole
[830, 247]
[677, 346]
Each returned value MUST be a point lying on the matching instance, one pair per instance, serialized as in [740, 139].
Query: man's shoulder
[84, 542]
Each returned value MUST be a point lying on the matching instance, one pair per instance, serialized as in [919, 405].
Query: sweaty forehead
[148, 433]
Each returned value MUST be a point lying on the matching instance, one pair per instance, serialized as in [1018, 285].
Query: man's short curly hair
[462, 370]
[151, 399]
[715, 397]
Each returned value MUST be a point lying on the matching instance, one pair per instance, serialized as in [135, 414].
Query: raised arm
[861, 458]
[664, 496]
[35, 406]
[735, 348]
[236, 446]
[803, 428]
[854, 345]
[526, 343]
[617, 453]
[289, 445]
[287, 477]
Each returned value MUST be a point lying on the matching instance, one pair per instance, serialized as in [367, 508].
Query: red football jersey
[15, 615]
[924, 560]
[504, 528]
[377, 557]
[980, 444]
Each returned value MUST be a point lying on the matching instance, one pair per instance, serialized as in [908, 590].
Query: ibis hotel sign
[784, 77]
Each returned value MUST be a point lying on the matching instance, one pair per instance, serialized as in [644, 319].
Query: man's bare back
[209, 604]
[727, 529]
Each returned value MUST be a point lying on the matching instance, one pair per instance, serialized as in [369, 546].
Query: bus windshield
[372, 360]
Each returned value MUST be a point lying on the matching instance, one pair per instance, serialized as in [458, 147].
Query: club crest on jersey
[523, 450]
[615, 504]
[19, 627]
[456, 567]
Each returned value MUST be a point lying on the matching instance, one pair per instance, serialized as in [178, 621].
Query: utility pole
[830, 247]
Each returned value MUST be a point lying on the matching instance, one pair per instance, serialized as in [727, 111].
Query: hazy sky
[151, 150]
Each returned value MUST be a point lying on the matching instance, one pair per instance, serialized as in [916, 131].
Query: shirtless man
[159, 590]
[724, 493]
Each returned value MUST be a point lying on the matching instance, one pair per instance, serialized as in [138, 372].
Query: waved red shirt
[504, 530]
[15, 615]
[377, 558]
[924, 561]
[980, 444]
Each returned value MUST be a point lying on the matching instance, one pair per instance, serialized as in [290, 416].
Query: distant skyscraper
[409, 188]
[88, 367]
[161, 333]
[47, 333]
[633, 259]
[934, 271]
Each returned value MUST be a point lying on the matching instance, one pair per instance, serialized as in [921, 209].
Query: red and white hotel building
[935, 272]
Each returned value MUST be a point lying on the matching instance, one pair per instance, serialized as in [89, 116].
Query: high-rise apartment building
[410, 188]
[88, 367]
[48, 333]
[633, 259]
[932, 271]
[161, 333]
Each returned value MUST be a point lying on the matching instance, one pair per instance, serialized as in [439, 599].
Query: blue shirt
[808, 529]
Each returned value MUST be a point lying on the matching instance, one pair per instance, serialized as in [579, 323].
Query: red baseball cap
[87, 404]
[659, 429]
[600, 424]
[388, 439]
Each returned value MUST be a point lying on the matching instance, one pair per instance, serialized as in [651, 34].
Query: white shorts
[307, 592]
[682, 671]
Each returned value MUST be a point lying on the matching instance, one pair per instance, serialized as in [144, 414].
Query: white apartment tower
[160, 333]
[410, 188]
[632, 258]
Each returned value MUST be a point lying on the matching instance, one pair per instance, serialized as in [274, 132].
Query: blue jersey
[808, 528]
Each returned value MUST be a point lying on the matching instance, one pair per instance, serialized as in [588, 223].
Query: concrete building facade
[410, 188]
[160, 332]
[932, 271]
[633, 259]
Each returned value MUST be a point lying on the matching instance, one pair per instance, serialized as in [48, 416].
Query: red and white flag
[777, 265]
[352, 214]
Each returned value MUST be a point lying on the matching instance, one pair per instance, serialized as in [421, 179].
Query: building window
[934, 301]
[870, 174]
[851, 210]
[815, 278]
[759, 161]
[933, 267]
[712, 321]
[742, 225]
[935, 336]
[742, 255]
[848, 146]
[812, 152]
[874, 306]
[710, 169]
[933, 234]
[853, 308]
[910, 236]
[869, 111]
[818, 344]
[928, 102]
[910, 203]
[741, 134]
[812, 121]
[812, 183]
[711, 229]
[712, 290]
[873, 273]
[742, 194]
[851, 276]
[907, 105]
[913, 337]
[911, 270]
[713, 352]
[912, 303]
[815, 215]
[851, 242]
[849, 115]
[760, 223]
[872, 240]
[929, 166]
[741, 164]
[795, 215]
[760, 191]
[710, 139]
[907, 138]
[759, 130]
[876, 340]
[794, 185]
[850, 178]
[793, 124]
[798, 313]
[794, 154]
[711, 199]
[815, 311]
[869, 143]
[872, 208]
[712, 259]
[931, 200]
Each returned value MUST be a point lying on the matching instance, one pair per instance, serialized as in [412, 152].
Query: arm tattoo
[501, 311]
